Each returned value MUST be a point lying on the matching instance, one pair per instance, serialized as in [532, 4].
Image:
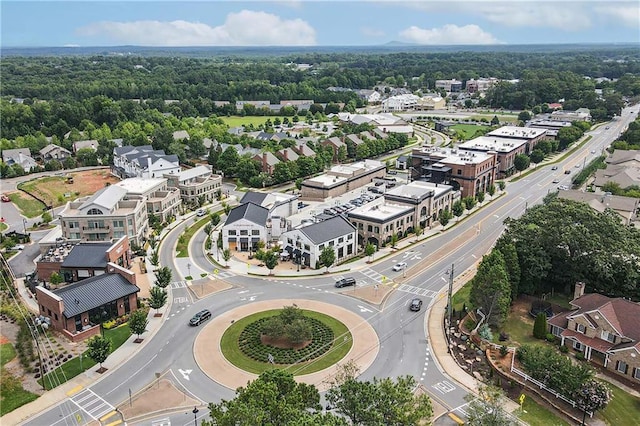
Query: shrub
[485, 332]
[551, 338]
[540, 326]
[564, 349]
[580, 356]
[504, 351]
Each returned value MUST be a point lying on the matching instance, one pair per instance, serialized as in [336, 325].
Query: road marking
[417, 290]
[363, 309]
[185, 373]
[180, 300]
[443, 387]
[92, 404]
[161, 422]
[74, 390]
[178, 284]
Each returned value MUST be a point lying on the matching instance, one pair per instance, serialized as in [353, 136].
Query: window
[289, 240]
[459, 171]
[321, 247]
[369, 228]
[94, 211]
[350, 237]
[622, 367]
[577, 346]
[330, 243]
[232, 232]
[636, 373]
[244, 232]
[74, 225]
[609, 337]
[340, 240]
[307, 247]
[581, 328]
[255, 232]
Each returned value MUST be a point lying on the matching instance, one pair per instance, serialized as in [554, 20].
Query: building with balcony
[143, 161]
[161, 200]
[110, 213]
[195, 183]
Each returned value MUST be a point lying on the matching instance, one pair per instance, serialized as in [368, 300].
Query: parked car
[200, 317]
[415, 305]
[392, 172]
[331, 212]
[556, 181]
[345, 282]
[201, 212]
[563, 188]
[399, 266]
[379, 183]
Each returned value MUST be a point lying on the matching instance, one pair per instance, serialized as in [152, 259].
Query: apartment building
[195, 183]
[109, 213]
[161, 200]
[466, 171]
[143, 161]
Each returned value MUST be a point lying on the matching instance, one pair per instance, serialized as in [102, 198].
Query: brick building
[341, 179]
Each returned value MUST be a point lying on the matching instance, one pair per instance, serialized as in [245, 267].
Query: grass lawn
[3, 226]
[12, 395]
[28, 206]
[519, 331]
[624, 409]
[467, 131]
[236, 120]
[501, 117]
[232, 352]
[536, 415]
[73, 367]
[182, 248]
[461, 297]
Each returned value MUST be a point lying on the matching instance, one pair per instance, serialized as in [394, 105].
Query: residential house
[92, 143]
[109, 213]
[20, 156]
[143, 161]
[75, 262]
[181, 135]
[54, 152]
[605, 330]
[287, 154]
[626, 207]
[304, 150]
[623, 168]
[246, 224]
[341, 179]
[195, 183]
[77, 310]
[267, 161]
[335, 143]
[370, 96]
[281, 206]
[161, 199]
[354, 139]
[305, 243]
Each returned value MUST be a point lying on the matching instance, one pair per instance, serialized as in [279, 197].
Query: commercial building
[162, 201]
[399, 103]
[305, 243]
[195, 183]
[480, 85]
[109, 213]
[280, 206]
[341, 179]
[77, 310]
[451, 86]
[582, 114]
[246, 224]
[466, 171]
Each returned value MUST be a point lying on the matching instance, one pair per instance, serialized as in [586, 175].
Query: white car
[201, 212]
[556, 181]
[399, 266]
[18, 247]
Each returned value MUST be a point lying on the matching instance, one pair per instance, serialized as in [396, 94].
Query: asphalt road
[404, 348]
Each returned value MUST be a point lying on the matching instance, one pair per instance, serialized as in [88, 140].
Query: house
[109, 213]
[303, 150]
[626, 207]
[379, 133]
[143, 161]
[366, 135]
[92, 143]
[288, 154]
[304, 244]
[246, 224]
[195, 183]
[402, 162]
[335, 143]
[75, 262]
[623, 168]
[354, 139]
[54, 152]
[181, 135]
[162, 200]
[605, 330]
[281, 206]
[341, 179]
[267, 160]
[78, 309]
[20, 156]
[370, 96]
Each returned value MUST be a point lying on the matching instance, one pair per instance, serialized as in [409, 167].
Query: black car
[200, 317]
[416, 305]
[345, 282]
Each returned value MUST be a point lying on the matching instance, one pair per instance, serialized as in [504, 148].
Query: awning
[297, 252]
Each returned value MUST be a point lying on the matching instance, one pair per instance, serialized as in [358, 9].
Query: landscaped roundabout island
[307, 338]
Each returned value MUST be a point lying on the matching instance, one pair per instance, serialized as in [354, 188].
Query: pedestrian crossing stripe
[416, 290]
[178, 284]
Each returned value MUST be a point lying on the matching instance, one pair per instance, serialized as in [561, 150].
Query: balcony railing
[96, 228]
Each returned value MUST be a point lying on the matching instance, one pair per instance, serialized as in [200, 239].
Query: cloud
[629, 15]
[245, 28]
[448, 34]
[372, 32]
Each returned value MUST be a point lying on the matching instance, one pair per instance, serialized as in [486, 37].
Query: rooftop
[380, 210]
[418, 189]
[517, 132]
[327, 230]
[87, 255]
[106, 197]
[138, 185]
[249, 211]
[494, 143]
[193, 173]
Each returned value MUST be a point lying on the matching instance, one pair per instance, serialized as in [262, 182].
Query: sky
[316, 23]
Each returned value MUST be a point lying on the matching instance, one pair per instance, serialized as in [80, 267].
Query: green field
[231, 350]
[12, 395]
[624, 409]
[501, 117]
[28, 206]
[466, 131]
[182, 248]
[535, 414]
[236, 120]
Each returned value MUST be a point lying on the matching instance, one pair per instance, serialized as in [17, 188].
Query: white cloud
[372, 32]
[448, 34]
[245, 28]
[629, 15]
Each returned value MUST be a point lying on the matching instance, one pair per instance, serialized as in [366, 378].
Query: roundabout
[361, 347]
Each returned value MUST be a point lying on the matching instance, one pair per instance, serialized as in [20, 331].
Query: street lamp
[24, 223]
[189, 268]
[195, 415]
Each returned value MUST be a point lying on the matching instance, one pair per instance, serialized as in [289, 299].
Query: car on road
[399, 266]
[567, 172]
[415, 305]
[392, 172]
[345, 282]
[200, 212]
[4, 198]
[18, 247]
[554, 168]
[200, 317]
[563, 188]
[577, 166]
[593, 151]
[606, 128]
[556, 181]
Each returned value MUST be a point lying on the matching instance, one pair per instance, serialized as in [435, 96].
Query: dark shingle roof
[329, 229]
[94, 292]
[249, 211]
[87, 255]
[253, 197]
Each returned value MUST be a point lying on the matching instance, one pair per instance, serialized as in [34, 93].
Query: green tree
[537, 156]
[158, 298]
[490, 289]
[98, 349]
[163, 276]
[270, 260]
[486, 409]
[138, 322]
[524, 116]
[510, 256]
[154, 258]
[521, 162]
[226, 255]
[327, 257]
[215, 218]
[495, 120]
[445, 216]
[370, 250]
[394, 240]
[46, 218]
[492, 189]
[469, 202]
[55, 278]
[540, 326]
[418, 231]
[458, 208]
[592, 396]
[480, 196]
[274, 398]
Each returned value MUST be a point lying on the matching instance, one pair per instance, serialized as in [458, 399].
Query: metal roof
[249, 211]
[254, 197]
[94, 292]
[329, 229]
[87, 255]
[106, 197]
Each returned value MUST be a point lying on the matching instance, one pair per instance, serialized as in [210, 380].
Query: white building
[244, 227]
[195, 183]
[161, 200]
[305, 243]
[280, 206]
[400, 103]
[143, 161]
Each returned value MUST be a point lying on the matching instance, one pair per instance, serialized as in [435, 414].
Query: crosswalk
[178, 284]
[373, 275]
[417, 290]
[223, 275]
[89, 402]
